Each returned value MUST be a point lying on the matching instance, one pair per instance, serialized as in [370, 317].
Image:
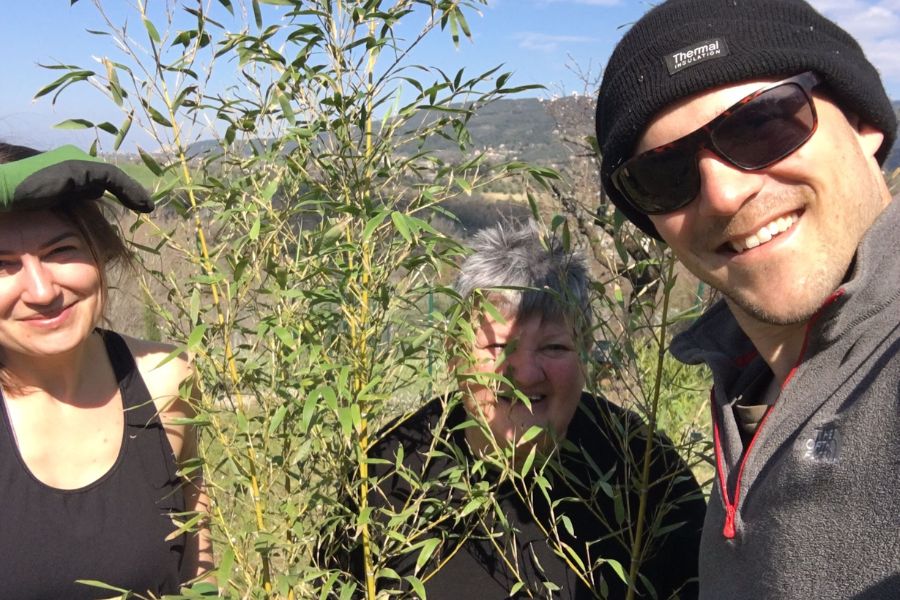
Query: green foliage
[684, 412]
[303, 271]
[151, 326]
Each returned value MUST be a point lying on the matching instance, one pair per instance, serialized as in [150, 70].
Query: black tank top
[113, 530]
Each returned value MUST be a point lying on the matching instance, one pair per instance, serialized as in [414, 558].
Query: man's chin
[772, 313]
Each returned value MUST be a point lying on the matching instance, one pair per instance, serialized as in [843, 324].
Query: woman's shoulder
[169, 378]
[163, 370]
[597, 414]
[602, 422]
[413, 429]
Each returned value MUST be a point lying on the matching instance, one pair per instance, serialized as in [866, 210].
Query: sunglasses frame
[702, 139]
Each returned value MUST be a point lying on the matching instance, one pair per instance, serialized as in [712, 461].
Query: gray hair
[530, 272]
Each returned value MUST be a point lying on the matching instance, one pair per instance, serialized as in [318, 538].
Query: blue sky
[540, 41]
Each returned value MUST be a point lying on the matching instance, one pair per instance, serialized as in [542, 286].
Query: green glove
[66, 174]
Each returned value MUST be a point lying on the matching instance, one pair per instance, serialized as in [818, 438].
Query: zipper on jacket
[731, 500]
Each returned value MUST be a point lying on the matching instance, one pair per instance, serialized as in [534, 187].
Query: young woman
[90, 436]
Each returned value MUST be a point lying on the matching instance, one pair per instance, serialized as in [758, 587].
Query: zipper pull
[728, 531]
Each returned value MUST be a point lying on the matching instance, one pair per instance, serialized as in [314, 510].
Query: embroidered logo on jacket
[825, 446]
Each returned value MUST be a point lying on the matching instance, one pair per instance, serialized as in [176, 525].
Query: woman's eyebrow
[58, 238]
[46, 244]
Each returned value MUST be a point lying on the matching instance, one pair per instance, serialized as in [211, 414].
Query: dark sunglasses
[758, 131]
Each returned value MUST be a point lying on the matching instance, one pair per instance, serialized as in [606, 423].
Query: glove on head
[66, 174]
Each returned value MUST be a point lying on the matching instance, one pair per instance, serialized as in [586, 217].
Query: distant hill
[520, 129]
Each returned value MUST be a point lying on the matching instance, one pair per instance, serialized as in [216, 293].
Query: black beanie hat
[683, 47]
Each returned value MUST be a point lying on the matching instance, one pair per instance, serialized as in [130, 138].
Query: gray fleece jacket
[812, 509]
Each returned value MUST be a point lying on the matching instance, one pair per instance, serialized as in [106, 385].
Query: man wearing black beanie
[748, 135]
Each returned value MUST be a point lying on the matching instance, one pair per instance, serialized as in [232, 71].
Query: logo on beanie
[696, 54]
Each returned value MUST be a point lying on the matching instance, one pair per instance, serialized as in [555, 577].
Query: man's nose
[724, 188]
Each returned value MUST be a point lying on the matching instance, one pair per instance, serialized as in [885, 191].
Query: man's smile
[764, 234]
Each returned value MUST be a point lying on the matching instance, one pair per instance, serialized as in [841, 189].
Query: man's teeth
[765, 233]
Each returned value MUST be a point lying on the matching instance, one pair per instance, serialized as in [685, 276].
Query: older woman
[565, 529]
[90, 436]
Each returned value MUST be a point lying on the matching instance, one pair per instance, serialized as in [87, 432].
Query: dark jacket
[494, 543]
[812, 510]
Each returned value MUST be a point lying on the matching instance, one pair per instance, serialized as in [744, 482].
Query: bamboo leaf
[151, 30]
[345, 418]
[253, 234]
[74, 124]
[182, 528]
[277, 419]
[567, 524]
[182, 97]
[158, 117]
[473, 505]
[328, 585]
[286, 109]
[454, 27]
[617, 567]
[150, 162]
[416, 584]
[257, 14]
[463, 24]
[428, 547]
[226, 562]
[529, 435]
[123, 131]
[108, 128]
[196, 336]
[400, 223]
[184, 38]
[102, 586]
[194, 309]
[62, 82]
[529, 460]
[373, 223]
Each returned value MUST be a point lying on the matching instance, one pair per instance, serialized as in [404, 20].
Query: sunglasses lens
[766, 129]
[659, 182]
[755, 134]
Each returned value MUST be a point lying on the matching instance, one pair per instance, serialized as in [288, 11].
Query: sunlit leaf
[123, 131]
[150, 162]
[151, 30]
[74, 124]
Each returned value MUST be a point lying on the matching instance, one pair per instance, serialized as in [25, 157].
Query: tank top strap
[140, 410]
[143, 426]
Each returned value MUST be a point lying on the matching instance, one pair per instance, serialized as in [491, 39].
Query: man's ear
[870, 138]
